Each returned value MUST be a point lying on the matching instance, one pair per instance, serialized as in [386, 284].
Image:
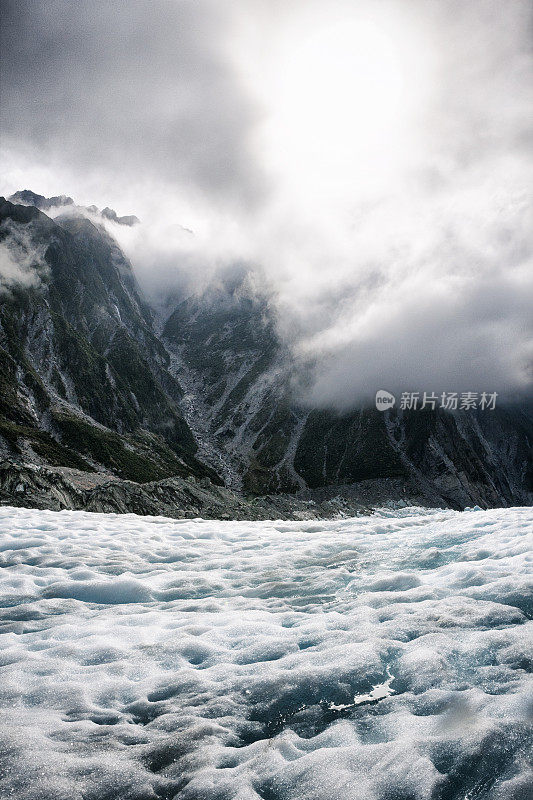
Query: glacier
[382, 657]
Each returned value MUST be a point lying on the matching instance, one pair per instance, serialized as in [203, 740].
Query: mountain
[84, 379]
[226, 351]
[91, 380]
[28, 198]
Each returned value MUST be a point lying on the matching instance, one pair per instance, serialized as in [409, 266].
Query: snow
[379, 658]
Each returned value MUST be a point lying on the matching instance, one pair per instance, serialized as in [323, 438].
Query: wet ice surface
[377, 658]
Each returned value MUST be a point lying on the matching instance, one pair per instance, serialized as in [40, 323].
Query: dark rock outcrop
[226, 352]
[61, 488]
[84, 380]
[91, 381]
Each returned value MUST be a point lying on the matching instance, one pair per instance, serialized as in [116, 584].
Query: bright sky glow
[341, 102]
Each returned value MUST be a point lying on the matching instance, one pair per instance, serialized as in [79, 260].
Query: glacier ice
[385, 657]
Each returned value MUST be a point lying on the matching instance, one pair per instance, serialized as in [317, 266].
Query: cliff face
[89, 381]
[84, 379]
[226, 351]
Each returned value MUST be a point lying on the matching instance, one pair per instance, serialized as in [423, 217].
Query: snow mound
[380, 658]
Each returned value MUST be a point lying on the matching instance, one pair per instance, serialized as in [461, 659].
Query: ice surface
[380, 658]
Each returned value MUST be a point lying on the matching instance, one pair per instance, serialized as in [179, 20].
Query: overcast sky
[371, 157]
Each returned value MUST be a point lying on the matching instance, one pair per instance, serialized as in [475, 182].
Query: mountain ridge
[83, 370]
[91, 381]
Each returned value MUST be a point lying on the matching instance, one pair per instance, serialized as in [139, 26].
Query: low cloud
[439, 297]
[22, 264]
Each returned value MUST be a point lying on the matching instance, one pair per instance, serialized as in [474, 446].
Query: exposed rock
[238, 379]
[33, 486]
[129, 220]
[29, 198]
[91, 380]
[83, 378]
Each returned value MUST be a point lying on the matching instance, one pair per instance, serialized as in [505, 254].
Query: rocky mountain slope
[29, 198]
[91, 381]
[58, 488]
[84, 381]
[225, 350]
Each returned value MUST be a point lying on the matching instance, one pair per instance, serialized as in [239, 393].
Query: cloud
[371, 160]
[22, 264]
[138, 89]
[440, 297]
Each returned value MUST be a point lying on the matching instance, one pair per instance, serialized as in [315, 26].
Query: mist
[22, 264]
[370, 161]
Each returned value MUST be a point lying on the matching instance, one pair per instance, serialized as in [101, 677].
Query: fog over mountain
[369, 161]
